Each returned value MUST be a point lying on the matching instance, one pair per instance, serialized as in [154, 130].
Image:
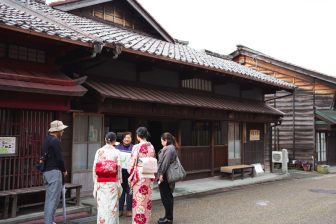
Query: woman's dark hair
[110, 137]
[143, 133]
[170, 139]
[125, 134]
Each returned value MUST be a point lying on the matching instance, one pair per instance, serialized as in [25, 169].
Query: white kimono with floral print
[106, 193]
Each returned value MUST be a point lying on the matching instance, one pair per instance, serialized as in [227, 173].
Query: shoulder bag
[175, 171]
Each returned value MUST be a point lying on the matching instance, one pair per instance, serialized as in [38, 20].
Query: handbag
[175, 171]
[41, 164]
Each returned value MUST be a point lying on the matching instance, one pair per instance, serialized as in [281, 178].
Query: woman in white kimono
[107, 181]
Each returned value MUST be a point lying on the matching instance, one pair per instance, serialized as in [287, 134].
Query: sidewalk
[205, 186]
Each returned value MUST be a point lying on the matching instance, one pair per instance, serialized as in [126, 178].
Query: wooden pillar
[212, 147]
[179, 137]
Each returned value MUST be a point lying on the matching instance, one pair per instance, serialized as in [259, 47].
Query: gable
[125, 13]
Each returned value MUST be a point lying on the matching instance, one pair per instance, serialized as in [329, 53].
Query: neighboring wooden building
[308, 127]
[134, 76]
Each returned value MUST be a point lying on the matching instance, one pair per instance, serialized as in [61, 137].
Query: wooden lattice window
[26, 54]
[2, 50]
[30, 128]
[196, 83]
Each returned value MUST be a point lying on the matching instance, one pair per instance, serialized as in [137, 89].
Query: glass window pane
[231, 145]
[91, 153]
[95, 129]
[237, 141]
[79, 161]
[80, 129]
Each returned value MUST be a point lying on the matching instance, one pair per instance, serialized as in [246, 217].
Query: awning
[34, 81]
[325, 119]
[169, 96]
[328, 116]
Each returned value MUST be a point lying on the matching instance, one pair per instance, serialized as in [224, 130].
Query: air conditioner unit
[280, 159]
[277, 157]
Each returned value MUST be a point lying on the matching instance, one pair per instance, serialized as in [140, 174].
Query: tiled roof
[243, 50]
[12, 14]
[129, 39]
[164, 96]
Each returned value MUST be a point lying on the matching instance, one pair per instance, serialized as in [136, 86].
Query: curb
[228, 189]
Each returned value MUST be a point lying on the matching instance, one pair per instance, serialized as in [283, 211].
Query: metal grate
[30, 127]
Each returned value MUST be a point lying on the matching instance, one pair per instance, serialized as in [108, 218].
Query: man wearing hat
[55, 171]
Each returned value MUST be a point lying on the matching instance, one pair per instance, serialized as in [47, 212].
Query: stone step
[73, 212]
[85, 220]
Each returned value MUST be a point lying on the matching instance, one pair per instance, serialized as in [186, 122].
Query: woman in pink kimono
[107, 181]
[141, 185]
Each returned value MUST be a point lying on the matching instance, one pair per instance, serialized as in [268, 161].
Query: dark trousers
[167, 199]
[125, 193]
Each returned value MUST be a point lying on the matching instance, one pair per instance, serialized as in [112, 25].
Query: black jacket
[54, 158]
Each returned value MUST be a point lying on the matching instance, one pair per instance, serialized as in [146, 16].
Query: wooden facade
[219, 116]
[33, 93]
[315, 92]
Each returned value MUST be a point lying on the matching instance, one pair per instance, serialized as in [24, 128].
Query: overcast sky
[301, 32]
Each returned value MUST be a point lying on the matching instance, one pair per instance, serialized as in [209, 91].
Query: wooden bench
[237, 170]
[12, 195]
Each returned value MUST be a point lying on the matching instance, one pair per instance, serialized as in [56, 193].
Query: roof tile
[79, 26]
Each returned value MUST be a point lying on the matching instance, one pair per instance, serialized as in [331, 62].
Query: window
[221, 132]
[23, 53]
[2, 50]
[321, 147]
[195, 133]
[234, 140]
[88, 137]
[195, 83]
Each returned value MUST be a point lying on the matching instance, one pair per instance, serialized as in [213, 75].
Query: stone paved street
[307, 200]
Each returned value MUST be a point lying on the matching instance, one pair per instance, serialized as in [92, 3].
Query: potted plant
[303, 164]
[306, 165]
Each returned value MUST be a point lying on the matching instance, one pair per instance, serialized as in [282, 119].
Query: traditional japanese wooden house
[308, 128]
[135, 74]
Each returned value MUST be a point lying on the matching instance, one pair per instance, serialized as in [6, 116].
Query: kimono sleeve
[133, 160]
[119, 167]
[94, 176]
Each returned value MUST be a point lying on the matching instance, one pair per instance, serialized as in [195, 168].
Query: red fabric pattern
[149, 205]
[140, 219]
[143, 190]
[107, 171]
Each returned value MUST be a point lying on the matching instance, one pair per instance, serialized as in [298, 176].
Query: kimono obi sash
[147, 167]
[107, 171]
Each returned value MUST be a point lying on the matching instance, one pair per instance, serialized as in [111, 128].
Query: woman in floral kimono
[141, 185]
[107, 181]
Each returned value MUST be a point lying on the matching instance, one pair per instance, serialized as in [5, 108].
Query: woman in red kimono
[141, 185]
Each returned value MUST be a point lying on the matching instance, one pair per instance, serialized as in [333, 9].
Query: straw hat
[57, 126]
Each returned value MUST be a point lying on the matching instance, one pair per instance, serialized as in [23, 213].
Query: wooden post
[179, 137]
[212, 146]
